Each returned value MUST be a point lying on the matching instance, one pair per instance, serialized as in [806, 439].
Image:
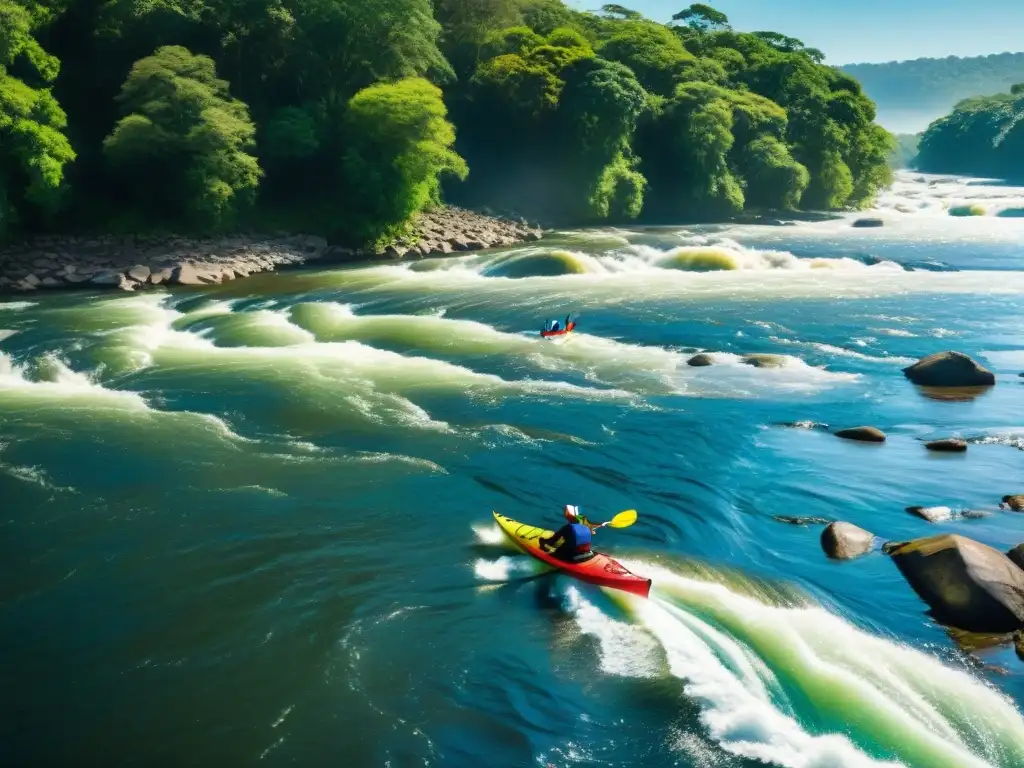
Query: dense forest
[983, 136]
[345, 117]
[911, 94]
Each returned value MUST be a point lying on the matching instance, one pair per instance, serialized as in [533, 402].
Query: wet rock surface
[139, 262]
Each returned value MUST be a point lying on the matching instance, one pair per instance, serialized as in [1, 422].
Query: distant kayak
[555, 334]
[551, 333]
[600, 569]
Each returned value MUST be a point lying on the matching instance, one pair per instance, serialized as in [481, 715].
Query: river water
[252, 524]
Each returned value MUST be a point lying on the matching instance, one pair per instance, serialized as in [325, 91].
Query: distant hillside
[910, 94]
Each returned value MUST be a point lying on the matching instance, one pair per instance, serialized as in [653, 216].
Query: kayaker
[571, 542]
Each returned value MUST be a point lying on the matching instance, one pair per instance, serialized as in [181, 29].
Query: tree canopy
[347, 117]
[982, 136]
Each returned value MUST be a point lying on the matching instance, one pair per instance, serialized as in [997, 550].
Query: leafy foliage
[399, 146]
[182, 127]
[349, 116]
[33, 147]
[982, 136]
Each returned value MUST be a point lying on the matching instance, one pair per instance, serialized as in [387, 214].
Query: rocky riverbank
[139, 262]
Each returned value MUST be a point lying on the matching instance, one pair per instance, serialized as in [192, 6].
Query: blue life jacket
[583, 537]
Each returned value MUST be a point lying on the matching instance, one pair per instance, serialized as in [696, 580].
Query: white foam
[506, 568]
[50, 380]
[16, 306]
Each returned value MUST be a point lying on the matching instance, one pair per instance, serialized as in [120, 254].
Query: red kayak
[560, 332]
[600, 569]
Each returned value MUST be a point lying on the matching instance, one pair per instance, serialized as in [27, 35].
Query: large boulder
[866, 223]
[967, 585]
[845, 541]
[949, 369]
[700, 361]
[862, 434]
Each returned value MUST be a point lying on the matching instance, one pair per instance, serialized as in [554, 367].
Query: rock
[1016, 503]
[862, 434]
[32, 280]
[107, 278]
[700, 361]
[966, 584]
[458, 243]
[947, 445]
[1018, 644]
[932, 514]
[51, 282]
[765, 361]
[313, 244]
[1016, 555]
[139, 273]
[186, 274]
[845, 541]
[949, 369]
[476, 245]
[395, 251]
[159, 276]
[24, 285]
[863, 223]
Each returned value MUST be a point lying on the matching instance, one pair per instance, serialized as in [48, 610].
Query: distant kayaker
[571, 542]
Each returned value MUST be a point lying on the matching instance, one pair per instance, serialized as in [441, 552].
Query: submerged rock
[862, 434]
[765, 361]
[949, 369]
[947, 445]
[865, 223]
[845, 541]
[801, 521]
[932, 514]
[1016, 503]
[700, 361]
[966, 584]
[814, 425]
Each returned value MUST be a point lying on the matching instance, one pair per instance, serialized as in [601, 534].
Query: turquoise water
[251, 524]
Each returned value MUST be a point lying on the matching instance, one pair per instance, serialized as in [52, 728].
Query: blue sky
[869, 30]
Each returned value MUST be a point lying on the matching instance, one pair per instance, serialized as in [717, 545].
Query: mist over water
[252, 524]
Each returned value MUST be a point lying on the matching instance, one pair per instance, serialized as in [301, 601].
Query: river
[251, 525]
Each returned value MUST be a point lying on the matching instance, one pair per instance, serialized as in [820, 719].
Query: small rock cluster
[456, 230]
[133, 263]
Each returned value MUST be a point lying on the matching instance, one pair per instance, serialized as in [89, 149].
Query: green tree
[33, 148]
[703, 18]
[180, 151]
[656, 56]
[399, 146]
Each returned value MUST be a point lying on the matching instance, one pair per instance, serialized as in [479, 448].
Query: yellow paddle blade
[623, 519]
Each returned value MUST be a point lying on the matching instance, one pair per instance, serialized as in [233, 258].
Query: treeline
[931, 87]
[347, 116]
[983, 136]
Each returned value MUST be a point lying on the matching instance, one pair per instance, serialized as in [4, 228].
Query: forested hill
[982, 136]
[911, 94]
[346, 117]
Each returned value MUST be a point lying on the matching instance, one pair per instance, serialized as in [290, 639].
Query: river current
[251, 524]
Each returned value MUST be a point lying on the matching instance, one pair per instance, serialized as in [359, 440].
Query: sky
[868, 30]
